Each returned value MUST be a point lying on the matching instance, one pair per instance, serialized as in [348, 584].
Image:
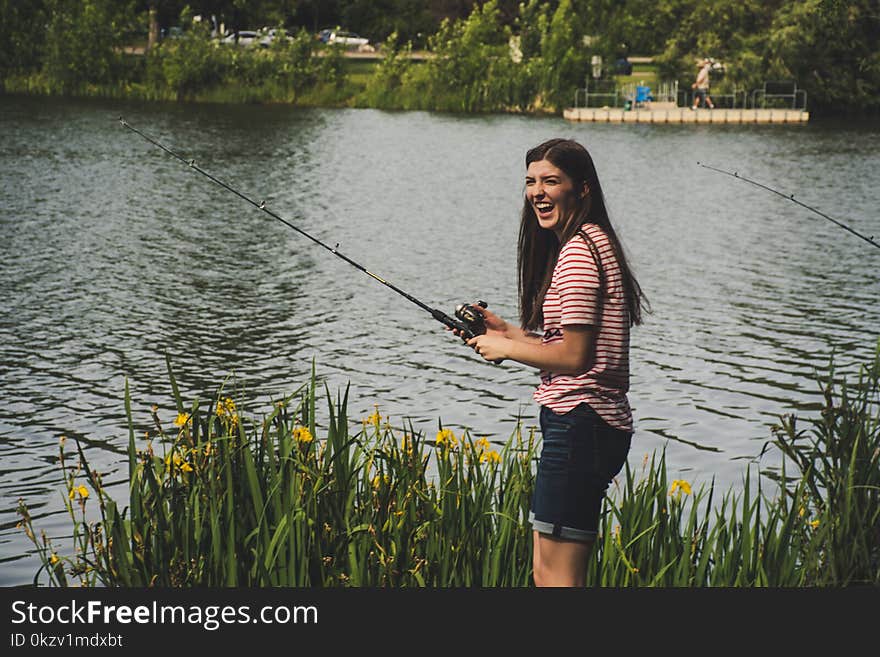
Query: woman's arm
[517, 334]
[571, 355]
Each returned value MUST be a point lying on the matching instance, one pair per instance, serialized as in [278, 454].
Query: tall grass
[218, 499]
[840, 464]
[233, 502]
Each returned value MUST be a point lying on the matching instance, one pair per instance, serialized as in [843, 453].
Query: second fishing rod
[468, 320]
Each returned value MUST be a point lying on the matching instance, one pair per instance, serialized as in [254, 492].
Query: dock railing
[776, 92]
[642, 95]
[667, 92]
[736, 99]
[783, 94]
[597, 91]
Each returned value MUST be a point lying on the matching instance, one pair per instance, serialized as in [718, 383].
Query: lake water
[114, 253]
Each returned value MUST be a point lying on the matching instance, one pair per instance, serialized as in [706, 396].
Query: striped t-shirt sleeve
[576, 279]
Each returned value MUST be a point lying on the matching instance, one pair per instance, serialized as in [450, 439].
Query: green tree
[832, 48]
[377, 19]
[189, 64]
[83, 42]
[22, 30]
[389, 78]
[565, 58]
[472, 70]
[532, 23]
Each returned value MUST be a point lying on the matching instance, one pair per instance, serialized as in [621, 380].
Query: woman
[576, 288]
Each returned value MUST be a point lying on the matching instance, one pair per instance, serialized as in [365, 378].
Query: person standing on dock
[578, 300]
[701, 85]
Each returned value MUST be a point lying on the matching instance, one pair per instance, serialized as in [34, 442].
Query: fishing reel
[472, 318]
[471, 321]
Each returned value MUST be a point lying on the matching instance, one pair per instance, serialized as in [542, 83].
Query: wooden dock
[684, 115]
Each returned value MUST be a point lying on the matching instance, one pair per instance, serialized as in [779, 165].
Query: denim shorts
[580, 455]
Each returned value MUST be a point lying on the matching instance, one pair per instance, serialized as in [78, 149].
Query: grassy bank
[361, 83]
[471, 69]
[221, 499]
[501, 57]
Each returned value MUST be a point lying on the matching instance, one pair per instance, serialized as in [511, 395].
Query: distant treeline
[498, 55]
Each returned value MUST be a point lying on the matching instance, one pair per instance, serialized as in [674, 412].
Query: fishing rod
[468, 319]
[790, 197]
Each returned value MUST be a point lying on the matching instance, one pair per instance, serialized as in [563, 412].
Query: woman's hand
[494, 324]
[493, 346]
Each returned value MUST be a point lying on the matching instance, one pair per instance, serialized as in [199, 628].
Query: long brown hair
[539, 247]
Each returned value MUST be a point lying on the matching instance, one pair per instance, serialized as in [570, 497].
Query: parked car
[264, 37]
[245, 37]
[347, 39]
[269, 35]
[173, 32]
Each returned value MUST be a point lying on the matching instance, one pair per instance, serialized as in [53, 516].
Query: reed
[226, 501]
[839, 461]
[218, 499]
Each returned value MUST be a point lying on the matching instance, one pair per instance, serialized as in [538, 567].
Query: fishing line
[790, 197]
[469, 321]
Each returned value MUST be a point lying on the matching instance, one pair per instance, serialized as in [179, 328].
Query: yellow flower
[682, 485]
[407, 447]
[375, 419]
[378, 480]
[226, 407]
[80, 490]
[482, 444]
[446, 438]
[814, 524]
[54, 559]
[182, 419]
[801, 512]
[490, 456]
[302, 435]
[179, 463]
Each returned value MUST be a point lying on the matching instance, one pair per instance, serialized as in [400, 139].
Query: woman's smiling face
[552, 194]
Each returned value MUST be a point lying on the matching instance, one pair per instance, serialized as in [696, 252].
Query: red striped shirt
[574, 298]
